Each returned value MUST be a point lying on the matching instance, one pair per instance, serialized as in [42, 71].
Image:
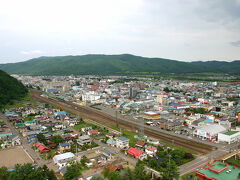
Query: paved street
[200, 161]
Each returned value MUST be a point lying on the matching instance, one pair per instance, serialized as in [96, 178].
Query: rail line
[98, 116]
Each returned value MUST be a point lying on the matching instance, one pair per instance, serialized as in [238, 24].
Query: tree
[171, 171]
[57, 139]
[77, 83]
[114, 176]
[96, 178]
[129, 174]
[178, 156]
[188, 156]
[41, 138]
[4, 173]
[153, 163]
[84, 160]
[140, 173]
[73, 171]
[28, 171]
[105, 172]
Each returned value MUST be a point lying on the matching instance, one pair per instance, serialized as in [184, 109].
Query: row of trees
[167, 90]
[196, 110]
[27, 172]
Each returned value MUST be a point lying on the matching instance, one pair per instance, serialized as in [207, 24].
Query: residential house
[111, 142]
[111, 135]
[151, 150]
[63, 147]
[140, 144]
[67, 137]
[58, 127]
[61, 159]
[93, 132]
[41, 148]
[114, 168]
[86, 129]
[134, 152]
[106, 155]
[85, 139]
[122, 142]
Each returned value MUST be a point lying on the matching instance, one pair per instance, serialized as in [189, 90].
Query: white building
[90, 96]
[85, 139]
[122, 142]
[61, 159]
[229, 136]
[209, 131]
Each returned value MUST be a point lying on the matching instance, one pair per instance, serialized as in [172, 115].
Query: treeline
[196, 110]
[167, 90]
[27, 171]
[10, 89]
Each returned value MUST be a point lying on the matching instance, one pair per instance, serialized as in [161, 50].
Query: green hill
[114, 65]
[10, 89]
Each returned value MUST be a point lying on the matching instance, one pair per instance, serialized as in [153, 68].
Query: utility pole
[116, 119]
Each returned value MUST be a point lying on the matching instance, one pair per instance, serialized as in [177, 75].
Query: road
[200, 161]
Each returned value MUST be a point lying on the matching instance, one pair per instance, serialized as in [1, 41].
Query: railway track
[98, 116]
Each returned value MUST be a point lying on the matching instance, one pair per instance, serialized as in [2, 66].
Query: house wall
[229, 139]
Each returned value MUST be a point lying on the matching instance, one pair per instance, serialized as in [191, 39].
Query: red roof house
[37, 144]
[93, 132]
[140, 144]
[74, 134]
[43, 149]
[151, 150]
[134, 152]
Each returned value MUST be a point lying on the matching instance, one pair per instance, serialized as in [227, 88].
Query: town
[206, 114]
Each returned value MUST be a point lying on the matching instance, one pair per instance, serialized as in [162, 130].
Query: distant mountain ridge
[99, 64]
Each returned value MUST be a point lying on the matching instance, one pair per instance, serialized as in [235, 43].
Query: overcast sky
[187, 30]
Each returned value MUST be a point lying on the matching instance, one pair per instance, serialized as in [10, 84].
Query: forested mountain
[10, 89]
[114, 65]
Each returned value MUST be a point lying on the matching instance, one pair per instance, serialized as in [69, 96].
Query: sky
[186, 30]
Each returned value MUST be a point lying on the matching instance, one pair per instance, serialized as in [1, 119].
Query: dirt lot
[10, 157]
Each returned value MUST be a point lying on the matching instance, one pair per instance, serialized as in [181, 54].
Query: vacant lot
[10, 157]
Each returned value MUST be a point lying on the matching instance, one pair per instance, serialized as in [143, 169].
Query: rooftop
[122, 138]
[222, 168]
[229, 133]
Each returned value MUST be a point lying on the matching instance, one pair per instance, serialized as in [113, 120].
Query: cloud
[225, 12]
[235, 43]
[31, 52]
